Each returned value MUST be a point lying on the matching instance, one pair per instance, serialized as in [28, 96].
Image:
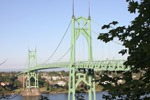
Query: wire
[112, 41]
[97, 51]
[63, 55]
[80, 57]
[84, 29]
[83, 49]
[96, 23]
[102, 51]
[87, 33]
[58, 44]
[70, 47]
[95, 32]
[3, 62]
[39, 59]
[99, 24]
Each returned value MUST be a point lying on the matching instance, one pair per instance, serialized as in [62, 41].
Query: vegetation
[13, 83]
[41, 82]
[136, 39]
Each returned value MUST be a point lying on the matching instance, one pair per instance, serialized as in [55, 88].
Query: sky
[40, 24]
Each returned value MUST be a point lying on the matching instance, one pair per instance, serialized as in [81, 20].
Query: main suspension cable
[101, 26]
[58, 44]
[63, 55]
[96, 23]
[3, 62]
[112, 41]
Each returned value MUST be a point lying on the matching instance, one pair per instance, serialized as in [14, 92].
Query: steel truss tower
[32, 74]
[87, 76]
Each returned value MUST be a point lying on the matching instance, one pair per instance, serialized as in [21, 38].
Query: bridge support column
[32, 80]
[91, 81]
[87, 77]
[32, 88]
[72, 87]
[31, 92]
[82, 26]
[32, 85]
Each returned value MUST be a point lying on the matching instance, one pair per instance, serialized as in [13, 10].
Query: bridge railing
[103, 65]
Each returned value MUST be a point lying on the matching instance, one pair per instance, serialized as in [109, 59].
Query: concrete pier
[31, 92]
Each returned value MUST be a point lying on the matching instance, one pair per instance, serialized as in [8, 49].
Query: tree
[13, 85]
[41, 82]
[136, 39]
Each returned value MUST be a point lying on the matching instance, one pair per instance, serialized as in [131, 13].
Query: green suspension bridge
[75, 67]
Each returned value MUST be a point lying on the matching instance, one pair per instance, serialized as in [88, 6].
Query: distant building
[55, 78]
[4, 83]
[105, 82]
[44, 74]
[65, 77]
[61, 83]
[120, 81]
[3, 75]
[134, 77]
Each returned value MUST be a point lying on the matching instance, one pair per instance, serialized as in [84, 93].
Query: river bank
[53, 96]
[44, 91]
[53, 93]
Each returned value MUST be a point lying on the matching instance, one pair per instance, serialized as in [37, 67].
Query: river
[54, 97]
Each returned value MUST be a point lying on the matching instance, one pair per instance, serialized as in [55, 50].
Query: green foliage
[63, 73]
[41, 82]
[13, 84]
[136, 40]
[46, 84]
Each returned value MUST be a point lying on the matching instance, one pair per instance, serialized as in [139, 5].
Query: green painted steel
[103, 65]
[83, 70]
[89, 66]
[75, 67]
[85, 29]
[32, 74]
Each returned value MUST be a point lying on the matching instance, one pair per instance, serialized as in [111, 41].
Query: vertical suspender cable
[58, 44]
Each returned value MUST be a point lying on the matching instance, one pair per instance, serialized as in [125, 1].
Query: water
[55, 97]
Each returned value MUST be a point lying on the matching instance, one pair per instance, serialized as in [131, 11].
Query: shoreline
[67, 92]
[54, 92]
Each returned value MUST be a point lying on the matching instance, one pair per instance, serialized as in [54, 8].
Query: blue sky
[42, 23]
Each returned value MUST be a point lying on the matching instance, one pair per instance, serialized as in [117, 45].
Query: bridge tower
[32, 85]
[87, 76]
[32, 75]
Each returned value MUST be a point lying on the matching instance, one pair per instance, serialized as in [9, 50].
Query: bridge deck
[111, 65]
